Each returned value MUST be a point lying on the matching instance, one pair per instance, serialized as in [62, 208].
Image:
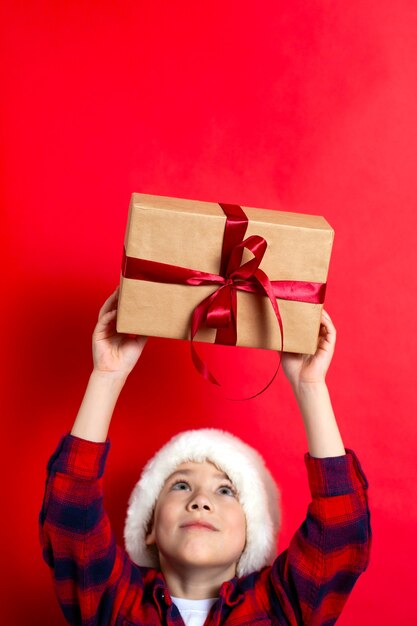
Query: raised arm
[314, 576]
[307, 375]
[91, 573]
[114, 357]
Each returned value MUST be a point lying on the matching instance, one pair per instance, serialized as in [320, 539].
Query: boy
[202, 521]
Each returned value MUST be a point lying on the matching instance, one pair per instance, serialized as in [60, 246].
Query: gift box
[229, 263]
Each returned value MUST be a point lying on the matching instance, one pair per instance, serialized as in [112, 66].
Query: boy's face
[198, 520]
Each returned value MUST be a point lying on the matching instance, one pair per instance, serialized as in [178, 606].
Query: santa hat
[257, 493]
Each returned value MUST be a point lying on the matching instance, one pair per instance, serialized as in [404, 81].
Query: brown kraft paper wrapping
[189, 233]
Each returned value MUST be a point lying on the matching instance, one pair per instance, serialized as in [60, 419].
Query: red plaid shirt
[98, 585]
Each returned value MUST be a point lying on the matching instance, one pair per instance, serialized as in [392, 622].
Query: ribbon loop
[257, 246]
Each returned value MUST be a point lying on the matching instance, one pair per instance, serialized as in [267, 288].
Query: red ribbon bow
[219, 309]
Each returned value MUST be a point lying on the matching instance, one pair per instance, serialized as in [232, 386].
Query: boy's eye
[226, 490]
[180, 485]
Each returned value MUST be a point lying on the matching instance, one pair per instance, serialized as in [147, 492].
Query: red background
[301, 106]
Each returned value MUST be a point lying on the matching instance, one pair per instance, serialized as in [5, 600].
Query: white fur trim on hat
[258, 493]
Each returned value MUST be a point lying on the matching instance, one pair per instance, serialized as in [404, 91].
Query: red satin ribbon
[219, 309]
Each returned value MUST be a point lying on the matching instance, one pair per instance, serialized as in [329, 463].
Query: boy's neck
[195, 583]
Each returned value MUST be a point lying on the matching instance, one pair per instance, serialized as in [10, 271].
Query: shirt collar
[161, 595]
[229, 593]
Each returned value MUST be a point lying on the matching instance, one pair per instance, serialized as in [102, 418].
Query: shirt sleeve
[312, 579]
[77, 542]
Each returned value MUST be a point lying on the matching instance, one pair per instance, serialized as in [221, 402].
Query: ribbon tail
[197, 321]
[266, 286]
[228, 336]
[201, 366]
[219, 311]
[267, 385]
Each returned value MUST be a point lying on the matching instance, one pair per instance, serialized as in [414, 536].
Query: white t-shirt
[193, 612]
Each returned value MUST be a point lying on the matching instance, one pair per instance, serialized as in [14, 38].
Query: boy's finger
[326, 319]
[104, 321]
[109, 303]
[330, 330]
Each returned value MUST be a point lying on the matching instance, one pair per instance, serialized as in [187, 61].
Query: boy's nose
[199, 502]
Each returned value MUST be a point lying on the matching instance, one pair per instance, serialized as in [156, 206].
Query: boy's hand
[114, 352]
[312, 368]
[307, 373]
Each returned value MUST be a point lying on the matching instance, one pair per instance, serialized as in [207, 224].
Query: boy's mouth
[199, 524]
